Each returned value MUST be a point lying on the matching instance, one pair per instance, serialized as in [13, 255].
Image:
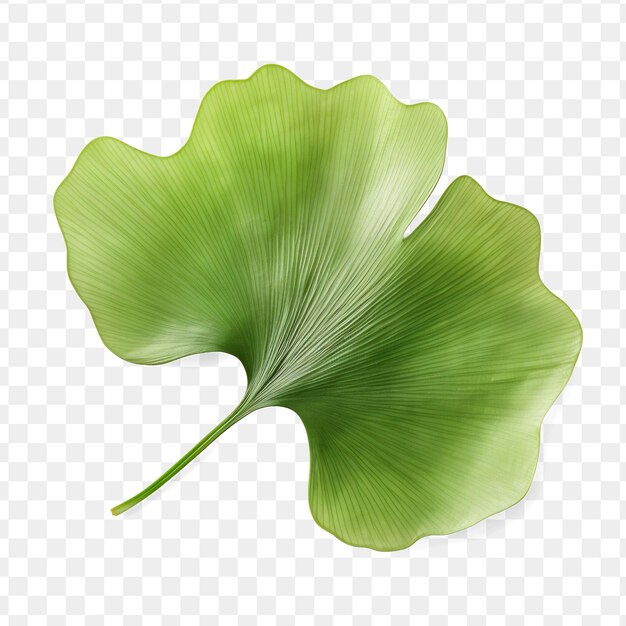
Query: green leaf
[420, 366]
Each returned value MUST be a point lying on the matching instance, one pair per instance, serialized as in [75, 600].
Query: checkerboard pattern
[534, 94]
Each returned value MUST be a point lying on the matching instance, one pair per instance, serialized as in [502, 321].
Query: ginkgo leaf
[421, 366]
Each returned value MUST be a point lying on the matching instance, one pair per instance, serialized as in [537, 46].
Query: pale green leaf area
[420, 366]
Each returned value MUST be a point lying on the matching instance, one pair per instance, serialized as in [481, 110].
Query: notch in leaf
[420, 366]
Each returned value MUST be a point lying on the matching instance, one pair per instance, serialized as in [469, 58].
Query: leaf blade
[275, 234]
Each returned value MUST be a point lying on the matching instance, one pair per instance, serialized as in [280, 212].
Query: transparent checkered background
[534, 100]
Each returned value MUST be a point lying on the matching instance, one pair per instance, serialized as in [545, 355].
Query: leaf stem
[240, 411]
